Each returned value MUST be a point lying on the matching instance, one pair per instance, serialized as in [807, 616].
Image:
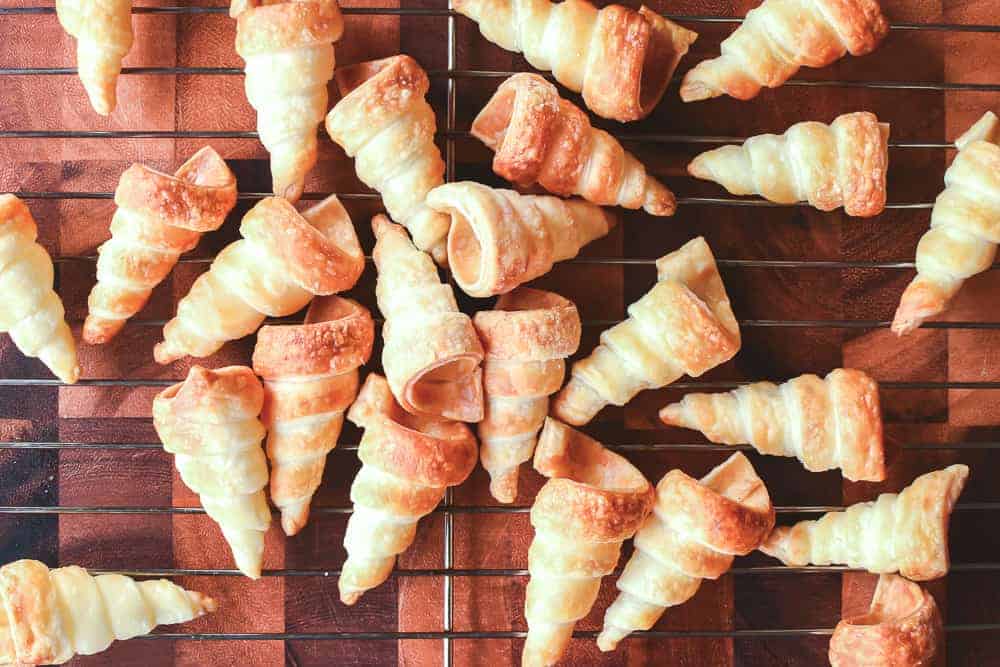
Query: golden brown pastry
[527, 337]
[905, 532]
[594, 500]
[310, 374]
[209, 423]
[407, 463]
[384, 122]
[541, 138]
[431, 352]
[103, 33]
[901, 629]
[696, 529]
[619, 58]
[49, 616]
[159, 216]
[684, 325]
[288, 49]
[500, 239]
[831, 422]
[829, 166]
[780, 36]
[962, 240]
[283, 260]
[30, 310]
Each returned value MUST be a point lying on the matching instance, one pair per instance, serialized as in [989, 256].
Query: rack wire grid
[448, 510]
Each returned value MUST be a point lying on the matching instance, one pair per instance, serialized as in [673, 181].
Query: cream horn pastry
[103, 33]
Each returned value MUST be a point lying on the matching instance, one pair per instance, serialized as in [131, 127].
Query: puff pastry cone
[49, 616]
[431, 353]
[683, 325]
[780, 36]
[103, 33]
[500, 239]
[695, 530]
[310, 374]
[288, 49]
[620, 59]
[842, 164]
[408, 462]
[905, 532]
[210, 424]
[541, 138]
[963, 237]
[526, 337]
[902, 628]
[159, 217]
[831, 422]
[284, 259]
[384, 122]
[30, 310]
[593, 501]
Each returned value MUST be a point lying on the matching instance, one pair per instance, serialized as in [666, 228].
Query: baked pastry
[905, 532]
[407, 463]
[384, 122]
[696, 529]
[159, 216]
[526, 337]
[780, 36]
[683, 325]
[831, 422]
[619, 58]
[541, 138]
[500, 239]
[209, 423]
[431, 353]
[283, 260]
[30, 310]
[103, 33]
[962, 240]
[310, 374]
[901, 629]
[288, 49]
[829, 166]
[49, 616]
[593, 501]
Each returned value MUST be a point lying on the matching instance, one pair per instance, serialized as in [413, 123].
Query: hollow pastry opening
[465, 251]
[668, 43]
[447, 390]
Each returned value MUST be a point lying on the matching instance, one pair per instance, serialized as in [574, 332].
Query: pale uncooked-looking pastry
[283, 260]
[431, 352]
[526, 337]
[542, 138]
[684, 325]
[49, 616]
[407, 464]
[30, 310]
[210, 424]
[384, 122]
[831, 422]
[840, 164]
[593, 501]
[696, 529]
[310, 374]
[780, 36]
[159, 216]
[965, 227]
[620, 59]
[905, 532]
[500, 239]
[103, 32]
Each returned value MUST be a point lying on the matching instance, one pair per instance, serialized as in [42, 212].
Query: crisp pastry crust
[541, 138]
[103, 33]
[832, 422]
[695, 530]
[840, 164]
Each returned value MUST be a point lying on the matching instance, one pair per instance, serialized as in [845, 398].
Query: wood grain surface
[837, 310]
